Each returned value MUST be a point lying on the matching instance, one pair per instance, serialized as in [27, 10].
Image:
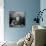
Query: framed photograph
[16, 19]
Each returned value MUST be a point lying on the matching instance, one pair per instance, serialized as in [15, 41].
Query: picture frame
[16, 19]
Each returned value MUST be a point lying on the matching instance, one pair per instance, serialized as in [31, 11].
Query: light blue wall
[43, 6]
[28, 6]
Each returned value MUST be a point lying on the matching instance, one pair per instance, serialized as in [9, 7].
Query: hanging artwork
[16, 19]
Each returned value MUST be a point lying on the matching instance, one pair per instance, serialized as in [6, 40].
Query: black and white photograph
[16, 19]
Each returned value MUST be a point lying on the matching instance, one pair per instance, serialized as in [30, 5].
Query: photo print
[16, 19]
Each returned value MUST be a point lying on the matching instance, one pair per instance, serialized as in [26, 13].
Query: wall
[28, 6]
[1, 21]
[43, 6]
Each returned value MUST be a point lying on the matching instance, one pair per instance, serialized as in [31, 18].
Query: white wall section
[1, 21]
